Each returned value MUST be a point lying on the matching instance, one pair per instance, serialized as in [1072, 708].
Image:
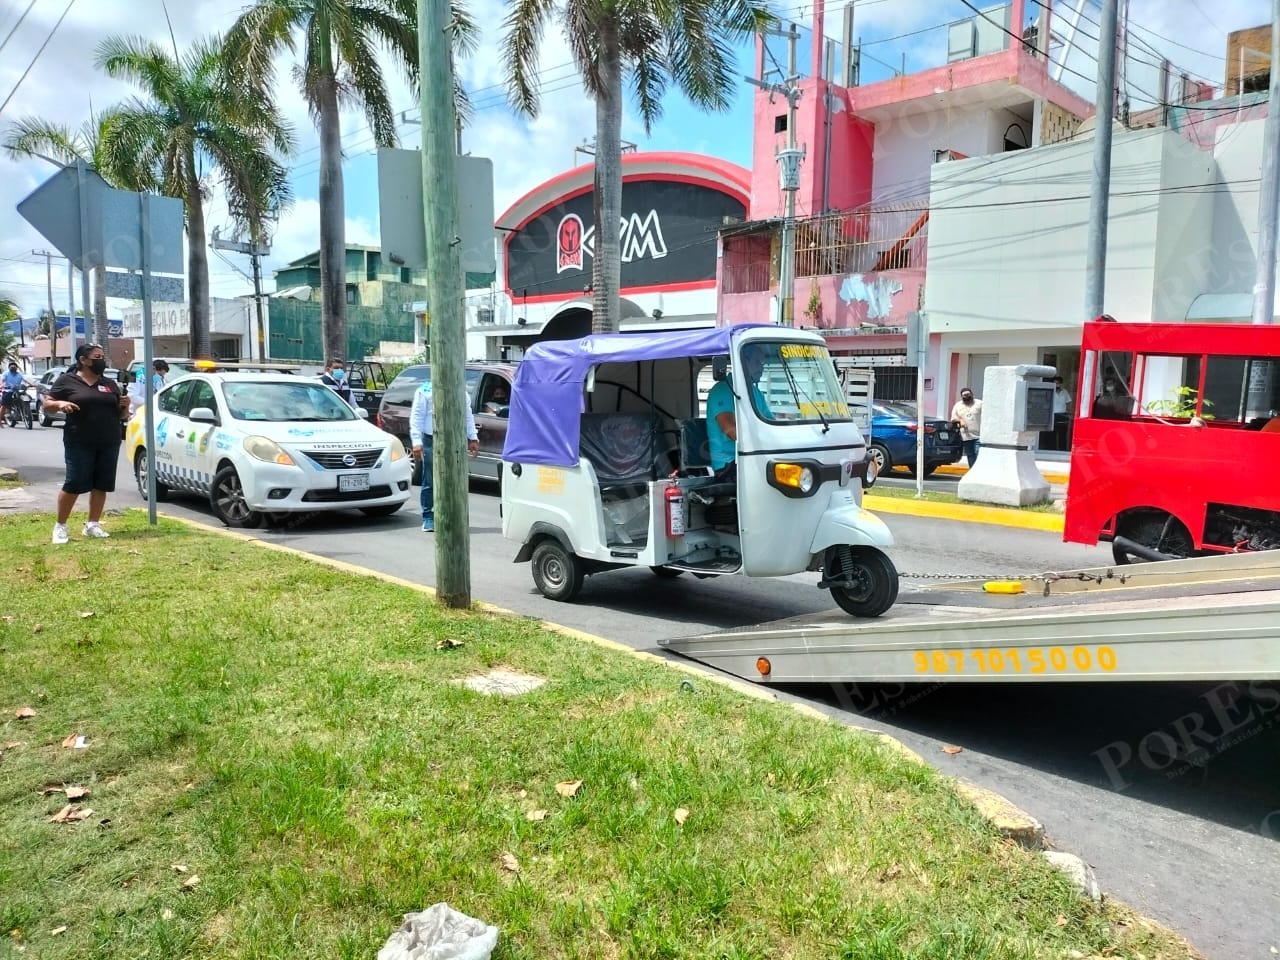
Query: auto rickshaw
[607, 464]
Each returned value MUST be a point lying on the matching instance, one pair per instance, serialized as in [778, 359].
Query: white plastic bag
[440, 933]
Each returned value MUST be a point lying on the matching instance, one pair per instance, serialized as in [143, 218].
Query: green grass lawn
[294, 737]
[933, 496]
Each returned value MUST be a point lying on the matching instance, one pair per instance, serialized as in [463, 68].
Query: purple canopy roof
[547, 401]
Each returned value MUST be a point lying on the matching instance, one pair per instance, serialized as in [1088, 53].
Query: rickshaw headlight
[793, 475]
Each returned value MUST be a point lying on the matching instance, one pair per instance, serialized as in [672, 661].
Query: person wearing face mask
[94, 407]
[335, 378]
[967, 417]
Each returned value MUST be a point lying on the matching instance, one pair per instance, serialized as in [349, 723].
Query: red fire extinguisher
[675, 512]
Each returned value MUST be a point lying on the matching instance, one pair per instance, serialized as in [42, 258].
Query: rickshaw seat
[622, 447]
[695, 453]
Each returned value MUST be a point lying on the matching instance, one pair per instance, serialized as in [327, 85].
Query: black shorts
[90, 468]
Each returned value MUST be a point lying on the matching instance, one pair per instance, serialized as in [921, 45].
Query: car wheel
[557, 572]
[1161, 532]
[226, 497]
[140, 475]
[870, 584]
[872, 475]
[382, 510]
[884, 462]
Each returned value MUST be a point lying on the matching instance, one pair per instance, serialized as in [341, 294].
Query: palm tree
[339, 67]
[194, 124]
[653, 44]
[59, 144]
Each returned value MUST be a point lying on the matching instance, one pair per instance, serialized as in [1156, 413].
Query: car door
[491, 424]
[199, 452]
[171, 433]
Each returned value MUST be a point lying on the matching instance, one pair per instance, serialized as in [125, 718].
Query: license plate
[943, 435]
[353, 483]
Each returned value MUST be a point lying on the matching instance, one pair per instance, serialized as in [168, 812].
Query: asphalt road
[1171, 791]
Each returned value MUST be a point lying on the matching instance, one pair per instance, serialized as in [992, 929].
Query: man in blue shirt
[420, 424]
[15, 385]
[722, 423]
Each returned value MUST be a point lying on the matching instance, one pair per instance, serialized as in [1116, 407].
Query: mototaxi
[606, 465]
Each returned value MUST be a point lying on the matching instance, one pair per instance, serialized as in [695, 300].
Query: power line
[70, 4]
[14, 29]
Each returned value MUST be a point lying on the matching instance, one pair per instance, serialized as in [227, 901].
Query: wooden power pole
[445, 291]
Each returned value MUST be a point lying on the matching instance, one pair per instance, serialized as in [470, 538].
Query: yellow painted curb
[953, 470]
[1013, 823]
[967, 512]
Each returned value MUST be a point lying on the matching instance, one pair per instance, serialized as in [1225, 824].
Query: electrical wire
[70, 4]
[14, 28]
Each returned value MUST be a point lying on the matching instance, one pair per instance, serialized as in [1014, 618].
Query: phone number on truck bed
[1030, 660]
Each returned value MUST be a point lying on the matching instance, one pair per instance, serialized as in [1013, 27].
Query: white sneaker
[60, 534]
[94, 529]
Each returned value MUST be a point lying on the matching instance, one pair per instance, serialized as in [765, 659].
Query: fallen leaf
[57, 930]
[1061, 921]
[7, 619]
[191, 882]
[76, 793]
[166, 914]
[681, 815]
[13, 744]
[71, 814]
[448, 643]
[76, 741]
[510, 863]
[895, 870]
[178, 867]
[86, 614]
[38, 628]
[536, 815]
[952, 749]
[770, 779]
[25, 713]
[568, 788]
[522, 794]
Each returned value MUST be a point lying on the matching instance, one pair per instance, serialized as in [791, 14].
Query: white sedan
[258, 445]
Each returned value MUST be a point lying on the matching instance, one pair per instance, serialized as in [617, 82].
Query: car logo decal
[349, 460]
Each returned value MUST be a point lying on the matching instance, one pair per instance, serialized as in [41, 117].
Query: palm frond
[582, 25]
[260, 34]
[141, 61]
[33, 136]
[365, 86]
[524, 28]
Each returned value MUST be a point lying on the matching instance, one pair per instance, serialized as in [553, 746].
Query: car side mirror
[202, 415]
[362, 413]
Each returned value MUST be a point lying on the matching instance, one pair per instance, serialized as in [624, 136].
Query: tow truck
[1205, 618]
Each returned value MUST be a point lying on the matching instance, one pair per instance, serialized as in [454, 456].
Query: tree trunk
[333, 227]
[197, 265]
[606, 267]
[101, 326]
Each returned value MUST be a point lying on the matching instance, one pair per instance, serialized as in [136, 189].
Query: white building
[231, 328]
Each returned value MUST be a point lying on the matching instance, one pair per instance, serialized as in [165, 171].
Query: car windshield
[901, 411]
[798, 384]
[285, 402]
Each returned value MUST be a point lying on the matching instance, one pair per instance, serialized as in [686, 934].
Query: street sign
[128, 286]
[115, 329]
[401, 213]
[111, 220]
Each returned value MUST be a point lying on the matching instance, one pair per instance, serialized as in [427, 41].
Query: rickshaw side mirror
[719, 367]
[591, 380]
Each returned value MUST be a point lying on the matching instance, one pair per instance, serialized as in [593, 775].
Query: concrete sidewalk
[1054, 471]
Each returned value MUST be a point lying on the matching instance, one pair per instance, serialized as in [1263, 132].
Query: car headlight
[260, 448]
[793, 475]
[397, 450]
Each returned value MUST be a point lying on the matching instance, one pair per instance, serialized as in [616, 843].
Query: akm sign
[668, 241]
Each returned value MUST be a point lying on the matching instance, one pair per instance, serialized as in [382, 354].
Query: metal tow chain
[1048, 578]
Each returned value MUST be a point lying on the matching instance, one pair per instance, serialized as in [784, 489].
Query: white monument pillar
[1014, 410]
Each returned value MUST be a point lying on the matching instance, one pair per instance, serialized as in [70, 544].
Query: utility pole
[1095, 269]
[71, 309]
[789, 158]
[444, 295]
[53, 314]
[255, 251]
[1264, 284]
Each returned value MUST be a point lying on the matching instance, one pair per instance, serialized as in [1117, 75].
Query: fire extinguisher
[675, 512]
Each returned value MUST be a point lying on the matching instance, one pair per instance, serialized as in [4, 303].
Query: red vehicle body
[1184, 457]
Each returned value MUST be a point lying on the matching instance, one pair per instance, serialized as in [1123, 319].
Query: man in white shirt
[420, 430]
[1061, 415]
[967, 416]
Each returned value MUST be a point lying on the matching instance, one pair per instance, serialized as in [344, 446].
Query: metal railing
[863, 241]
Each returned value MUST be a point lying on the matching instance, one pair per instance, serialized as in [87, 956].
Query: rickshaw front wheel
[557, 572]
[869, 580]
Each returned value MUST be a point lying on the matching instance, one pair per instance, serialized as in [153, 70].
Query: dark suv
[483, 381]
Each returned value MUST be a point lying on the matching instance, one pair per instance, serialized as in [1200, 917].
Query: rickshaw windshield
[797, 384]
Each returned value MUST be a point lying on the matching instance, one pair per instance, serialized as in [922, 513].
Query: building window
[406, 276]
[780, 123]
[353, 293]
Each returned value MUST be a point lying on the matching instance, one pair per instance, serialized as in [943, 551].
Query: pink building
[863, 205]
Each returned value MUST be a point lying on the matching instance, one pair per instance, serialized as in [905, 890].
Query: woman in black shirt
[94, 407]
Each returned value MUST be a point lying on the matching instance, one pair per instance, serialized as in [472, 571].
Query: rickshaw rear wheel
[557, 572]
[871, 576]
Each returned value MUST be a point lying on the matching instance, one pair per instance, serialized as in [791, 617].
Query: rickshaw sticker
[551, 481]
[825, 407]
[796, 351]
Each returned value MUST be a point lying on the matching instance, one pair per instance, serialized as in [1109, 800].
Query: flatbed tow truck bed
[1208, 618]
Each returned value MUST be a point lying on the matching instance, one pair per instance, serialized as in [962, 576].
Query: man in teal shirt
[722, 423]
